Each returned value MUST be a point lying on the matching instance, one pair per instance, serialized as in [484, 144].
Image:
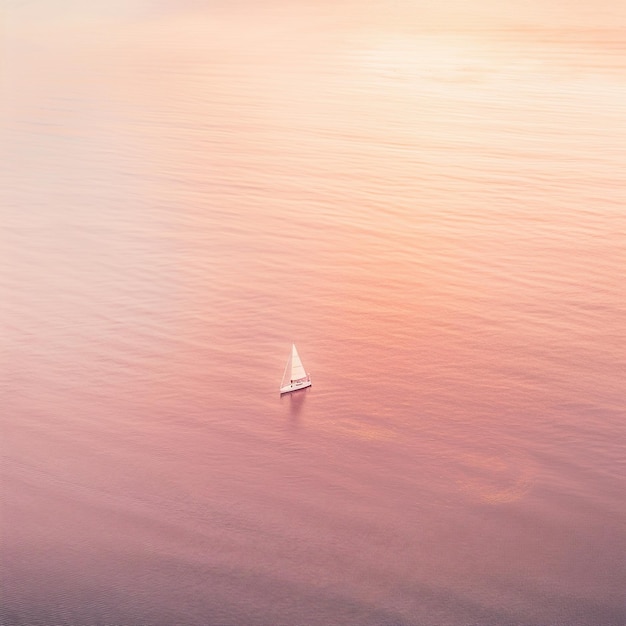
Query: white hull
[295, 386]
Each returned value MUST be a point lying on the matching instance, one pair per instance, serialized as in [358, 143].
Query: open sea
[428, 198]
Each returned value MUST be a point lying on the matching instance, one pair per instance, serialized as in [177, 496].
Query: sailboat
[294, 377]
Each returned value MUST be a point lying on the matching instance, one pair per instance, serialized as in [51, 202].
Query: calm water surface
[430, 203]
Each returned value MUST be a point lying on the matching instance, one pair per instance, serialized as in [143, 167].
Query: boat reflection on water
[296, 401]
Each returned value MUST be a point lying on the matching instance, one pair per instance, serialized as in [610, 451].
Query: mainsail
[297, 369]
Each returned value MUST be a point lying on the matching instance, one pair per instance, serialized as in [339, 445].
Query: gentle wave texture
[428, 199]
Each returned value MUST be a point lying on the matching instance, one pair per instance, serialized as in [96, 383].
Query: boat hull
[295, 386]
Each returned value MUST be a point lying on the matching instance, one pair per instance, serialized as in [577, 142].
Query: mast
[288, 368]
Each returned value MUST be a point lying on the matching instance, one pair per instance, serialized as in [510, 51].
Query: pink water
[430, 203]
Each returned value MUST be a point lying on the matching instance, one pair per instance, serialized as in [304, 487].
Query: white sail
[295, 376]
[297, 369]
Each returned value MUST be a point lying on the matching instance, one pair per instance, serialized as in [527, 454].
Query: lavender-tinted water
[429, 201]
